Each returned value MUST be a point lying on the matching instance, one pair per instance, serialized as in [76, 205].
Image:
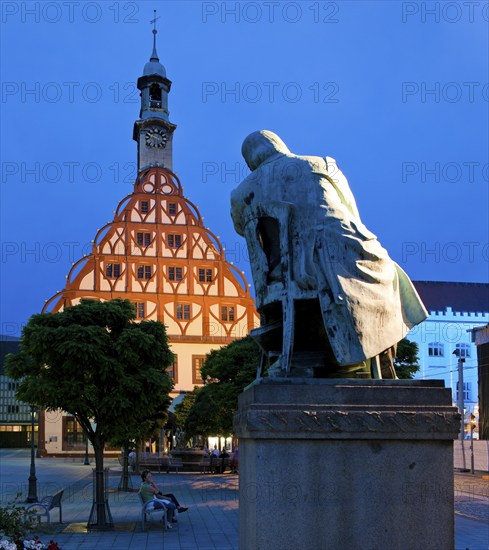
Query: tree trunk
[124, 483]
[100, 516]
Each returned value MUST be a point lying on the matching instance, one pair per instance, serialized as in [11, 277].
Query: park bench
[147, 508]
[205, 465]
[44, 506]
[215, 465]
[153, 463]
[174, 464]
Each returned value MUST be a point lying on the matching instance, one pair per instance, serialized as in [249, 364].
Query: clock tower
[154, 131]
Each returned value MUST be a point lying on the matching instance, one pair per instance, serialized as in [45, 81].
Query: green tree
[93, 361]
[226, 371]
[139, 428]
[406, 360]
[183, 408]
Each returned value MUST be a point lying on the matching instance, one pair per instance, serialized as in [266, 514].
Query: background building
[481, 340]
[455, 309]
[15, 416]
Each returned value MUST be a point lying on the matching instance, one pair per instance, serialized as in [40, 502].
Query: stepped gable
[158, 254]
[467, 297]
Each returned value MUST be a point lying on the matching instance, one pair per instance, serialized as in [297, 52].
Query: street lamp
[87, 462]
[472, 425]
[460, 365]
[32, 495]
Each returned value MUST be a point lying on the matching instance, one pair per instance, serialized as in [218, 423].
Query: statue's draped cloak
[367, 301]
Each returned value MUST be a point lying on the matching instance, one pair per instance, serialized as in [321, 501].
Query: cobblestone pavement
[211, 522]
[472, 496]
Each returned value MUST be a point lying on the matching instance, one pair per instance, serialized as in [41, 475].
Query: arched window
[155, 96]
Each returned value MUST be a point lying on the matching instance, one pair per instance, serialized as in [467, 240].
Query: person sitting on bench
[149, 491]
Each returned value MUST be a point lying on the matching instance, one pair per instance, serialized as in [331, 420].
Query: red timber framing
[157, 253]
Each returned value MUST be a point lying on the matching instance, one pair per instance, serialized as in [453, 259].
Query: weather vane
[154, 22]
[154, 55]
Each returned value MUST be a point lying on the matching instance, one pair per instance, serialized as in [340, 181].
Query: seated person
[150, 491]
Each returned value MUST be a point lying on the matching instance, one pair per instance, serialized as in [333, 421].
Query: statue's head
[261, 145]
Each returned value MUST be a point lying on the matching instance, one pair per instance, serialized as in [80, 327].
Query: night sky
[396, 92]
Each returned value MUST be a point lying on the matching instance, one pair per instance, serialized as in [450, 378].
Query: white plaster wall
[449, 328]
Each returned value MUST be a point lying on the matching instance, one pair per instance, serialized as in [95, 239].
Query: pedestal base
[350, 464]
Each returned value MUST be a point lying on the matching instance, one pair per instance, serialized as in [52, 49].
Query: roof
[462, 297]
[480, 335]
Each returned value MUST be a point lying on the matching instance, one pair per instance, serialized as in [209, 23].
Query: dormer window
[155, 96]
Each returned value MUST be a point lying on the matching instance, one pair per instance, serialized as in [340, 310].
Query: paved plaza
[212, 519]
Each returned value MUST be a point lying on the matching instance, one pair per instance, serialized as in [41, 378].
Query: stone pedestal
[346, 464]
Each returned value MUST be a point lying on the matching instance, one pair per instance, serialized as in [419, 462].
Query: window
[463, 350]
[144, 205]
[172, 370]
[12, 408]
[183, 312]
[205, 275]
[175, 273]
[155, 96]
[174, 240]
[172, 208]
[435, 349]
[197, 362]
[466, 391]
[73, 435]
[144, 272]
[113, 271]
[227, 313]
[143, 239]
[140, 310]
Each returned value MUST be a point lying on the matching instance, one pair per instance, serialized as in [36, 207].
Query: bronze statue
[332, 301]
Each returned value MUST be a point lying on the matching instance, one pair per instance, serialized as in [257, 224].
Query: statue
[332, 302]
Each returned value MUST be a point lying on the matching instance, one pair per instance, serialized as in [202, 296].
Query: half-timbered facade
[158, 254]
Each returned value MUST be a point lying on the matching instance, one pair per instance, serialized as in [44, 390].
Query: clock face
[156, 137]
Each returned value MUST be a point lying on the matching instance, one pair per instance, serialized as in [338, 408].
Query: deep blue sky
[350, 79]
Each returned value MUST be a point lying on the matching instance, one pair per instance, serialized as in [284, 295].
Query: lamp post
[472, 424]
[87, 462]
[32, 494]
[460, 364]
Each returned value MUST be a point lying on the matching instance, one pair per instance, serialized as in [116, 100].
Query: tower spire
[154, 55]
[154, 131]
